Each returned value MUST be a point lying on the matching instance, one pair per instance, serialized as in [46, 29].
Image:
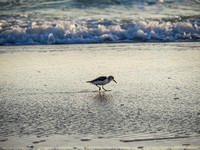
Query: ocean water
[31, 22]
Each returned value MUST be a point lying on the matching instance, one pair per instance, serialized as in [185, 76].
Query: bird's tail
[89, 81]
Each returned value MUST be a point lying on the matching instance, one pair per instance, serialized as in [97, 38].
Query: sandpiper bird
[102, 81]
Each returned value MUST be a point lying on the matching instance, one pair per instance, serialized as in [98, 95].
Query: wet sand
[46, 102]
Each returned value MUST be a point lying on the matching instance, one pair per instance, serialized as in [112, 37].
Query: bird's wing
[100, 78]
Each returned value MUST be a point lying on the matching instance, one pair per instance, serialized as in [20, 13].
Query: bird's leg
[104, 88]
[98, 87]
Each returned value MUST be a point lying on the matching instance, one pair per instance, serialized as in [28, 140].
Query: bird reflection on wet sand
[102, 96]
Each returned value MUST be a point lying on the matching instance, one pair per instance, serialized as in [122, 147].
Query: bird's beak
[115, 81]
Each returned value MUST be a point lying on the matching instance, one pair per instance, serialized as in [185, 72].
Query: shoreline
[105, 43]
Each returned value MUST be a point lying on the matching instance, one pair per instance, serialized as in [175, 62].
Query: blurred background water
[25, 22]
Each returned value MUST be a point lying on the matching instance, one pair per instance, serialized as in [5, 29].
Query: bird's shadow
[101, 91]
[74, 92]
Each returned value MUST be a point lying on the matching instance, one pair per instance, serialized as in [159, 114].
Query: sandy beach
[45, 101]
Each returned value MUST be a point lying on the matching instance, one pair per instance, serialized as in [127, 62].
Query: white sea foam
[26, 32]
[85, 21]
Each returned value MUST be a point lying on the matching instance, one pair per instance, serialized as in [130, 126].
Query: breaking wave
[20, 30]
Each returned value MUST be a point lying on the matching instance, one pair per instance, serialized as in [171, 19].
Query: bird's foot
[107, 90]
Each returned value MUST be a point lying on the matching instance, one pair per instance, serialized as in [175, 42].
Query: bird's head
[110, 78]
